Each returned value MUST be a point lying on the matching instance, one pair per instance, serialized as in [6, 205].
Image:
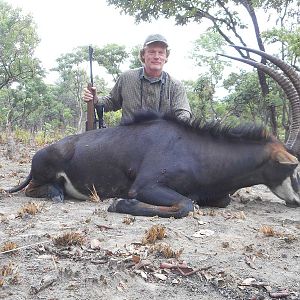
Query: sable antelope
[160, 166]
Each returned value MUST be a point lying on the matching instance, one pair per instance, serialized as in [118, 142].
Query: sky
[63, 25]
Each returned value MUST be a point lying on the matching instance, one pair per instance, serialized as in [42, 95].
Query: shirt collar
[161, 78]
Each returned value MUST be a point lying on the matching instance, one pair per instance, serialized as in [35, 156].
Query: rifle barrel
[91, 50]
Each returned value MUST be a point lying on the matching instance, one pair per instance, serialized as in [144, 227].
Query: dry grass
[212, 213]
[289, 238]
[94, 197]
[8, 274]
[267, 230]
[166, 251]
[8, 246]
[69, 239]
[270, 232]
[6, 270]
[128, 220]
[240, 215]
[235, 215]
[156, 232]
[25, 158]
[204, 212]
[30, 208]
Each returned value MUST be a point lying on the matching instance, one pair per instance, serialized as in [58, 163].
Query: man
[147, 88]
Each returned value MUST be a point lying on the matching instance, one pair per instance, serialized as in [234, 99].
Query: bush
[22, 136]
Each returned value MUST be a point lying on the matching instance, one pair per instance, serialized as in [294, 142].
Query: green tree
[203, 103]
[205, 54]
[245, 99]
[134, 58]
[200, 95]
[111, 57]
[18, 40]
[289, 42]
[25, 105]
[72, 80]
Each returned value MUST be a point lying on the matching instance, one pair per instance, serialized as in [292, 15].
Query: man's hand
[88, 94]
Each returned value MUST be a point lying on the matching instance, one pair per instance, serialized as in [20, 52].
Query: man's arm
[111, 102]
[180, 104]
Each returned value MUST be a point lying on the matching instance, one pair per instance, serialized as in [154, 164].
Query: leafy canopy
[18, 40]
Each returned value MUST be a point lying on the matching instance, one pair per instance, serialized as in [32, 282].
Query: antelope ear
[286, 158]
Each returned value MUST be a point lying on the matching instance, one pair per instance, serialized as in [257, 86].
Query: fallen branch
[279, 295]
[182, 268]
[24, 247]
[46, 282]
[103, 227]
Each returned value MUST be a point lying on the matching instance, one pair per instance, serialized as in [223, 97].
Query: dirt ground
[77, 250]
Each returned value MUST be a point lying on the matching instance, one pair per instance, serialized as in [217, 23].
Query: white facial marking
[286, 192]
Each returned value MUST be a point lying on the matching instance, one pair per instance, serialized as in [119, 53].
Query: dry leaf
[142, 273]
[160, 276]
[250, 262]
[129, 220]
[122, 286]
[203, 232]
[248, 281]
[136, 258]
[143, 263]
[95, 244]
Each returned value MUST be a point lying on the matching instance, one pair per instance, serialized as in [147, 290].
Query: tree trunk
[10, 142]
[261, 75]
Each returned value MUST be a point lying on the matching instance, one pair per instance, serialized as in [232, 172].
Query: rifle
[91, 115]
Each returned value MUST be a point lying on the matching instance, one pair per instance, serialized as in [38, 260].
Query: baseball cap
[155, 38]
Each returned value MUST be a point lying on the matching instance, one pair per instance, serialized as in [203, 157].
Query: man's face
[155, 56]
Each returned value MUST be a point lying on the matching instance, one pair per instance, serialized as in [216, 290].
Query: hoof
[113, 206]
[292, 204]
[56, 193]
[58, 199]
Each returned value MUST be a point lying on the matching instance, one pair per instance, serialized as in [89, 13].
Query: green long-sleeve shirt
[133, 91]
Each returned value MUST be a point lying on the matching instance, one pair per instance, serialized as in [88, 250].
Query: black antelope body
[159, 166]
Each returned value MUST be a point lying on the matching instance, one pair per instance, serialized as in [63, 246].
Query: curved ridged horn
[289, 71]
[290, 85]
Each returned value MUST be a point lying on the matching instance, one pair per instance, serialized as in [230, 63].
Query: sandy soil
[77, 250]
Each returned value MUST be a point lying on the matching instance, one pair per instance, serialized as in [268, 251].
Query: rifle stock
[90, 114]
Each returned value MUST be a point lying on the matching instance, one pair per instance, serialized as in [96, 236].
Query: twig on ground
[280, 294]
[24, 247]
